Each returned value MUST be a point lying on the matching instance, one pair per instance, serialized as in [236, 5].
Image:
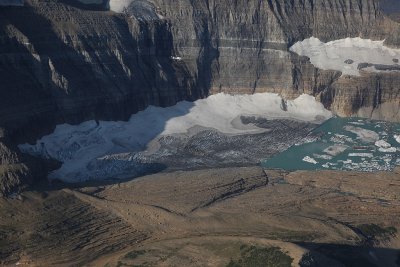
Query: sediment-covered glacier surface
[221, 130]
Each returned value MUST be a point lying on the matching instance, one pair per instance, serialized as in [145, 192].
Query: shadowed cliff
[64, 61]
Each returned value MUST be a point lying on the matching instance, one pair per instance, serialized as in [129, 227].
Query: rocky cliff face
[246, 48]
[70, 61]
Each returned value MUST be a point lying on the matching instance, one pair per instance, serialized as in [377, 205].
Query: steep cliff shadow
[76, 3]
[391, 8]
[120, 74]
[330, 255]
[72, 90]
[124, 159]
[60, 75]
[206, 33]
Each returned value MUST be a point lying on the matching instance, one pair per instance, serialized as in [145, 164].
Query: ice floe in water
[361, 155]
[335, 149]
[385, 147]
[83, 148]
[367, 136]
[310, 160]
[322, 156]
[335, 55]
[383, 144]
[345, 144]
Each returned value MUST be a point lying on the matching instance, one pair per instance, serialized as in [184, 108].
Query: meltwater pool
[344, 144]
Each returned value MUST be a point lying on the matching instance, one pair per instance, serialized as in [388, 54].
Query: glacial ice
[334, 54]
[310, 160]
[363, 155]
[119, 5]
[382, 144]
[79, 147]
[335, 150]
[364, 135]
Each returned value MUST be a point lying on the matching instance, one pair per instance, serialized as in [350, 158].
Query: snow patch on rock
[334, 55]
[119, 5]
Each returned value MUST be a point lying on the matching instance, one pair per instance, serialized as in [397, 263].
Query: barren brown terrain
[207, 218]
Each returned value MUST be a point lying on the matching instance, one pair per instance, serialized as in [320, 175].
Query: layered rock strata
[71, 61]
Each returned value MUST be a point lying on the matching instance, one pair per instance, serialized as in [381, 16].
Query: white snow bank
[76, 146]
[364, 135]
[332, 55]
[397, 138]
[119, 5]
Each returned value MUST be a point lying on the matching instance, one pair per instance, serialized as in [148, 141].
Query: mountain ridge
[67, 63]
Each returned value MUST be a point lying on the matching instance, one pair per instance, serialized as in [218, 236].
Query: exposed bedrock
[71, 61]
[251, 39]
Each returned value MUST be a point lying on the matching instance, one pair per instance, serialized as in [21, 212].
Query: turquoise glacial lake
[344, 144]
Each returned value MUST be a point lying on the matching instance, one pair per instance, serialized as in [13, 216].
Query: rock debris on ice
[78, 146]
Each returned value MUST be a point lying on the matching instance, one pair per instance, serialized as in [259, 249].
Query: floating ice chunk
[382, 144]
[325, 157]
[310, 160]
[349, 161]
[176, 58]
[397, 138]
[335, 150]
[363, 155]
[364, 135]
[356, 123]
[340, 138]
[387, 149]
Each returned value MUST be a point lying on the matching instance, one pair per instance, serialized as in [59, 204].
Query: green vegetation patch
[252, 256]
[376, 231]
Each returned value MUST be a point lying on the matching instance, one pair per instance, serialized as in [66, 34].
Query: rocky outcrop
[70, 61]
[63, 64]
[18, 170]
[247, 42]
